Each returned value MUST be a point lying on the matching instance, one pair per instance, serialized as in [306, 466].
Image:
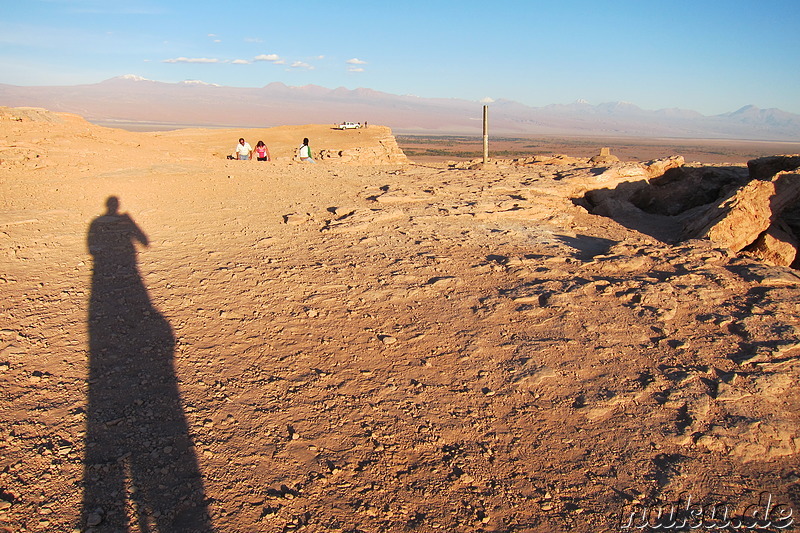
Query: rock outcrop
[385, 152]
[30, 114]
[755, 210]
[741, 218]
[629, 181]
[604, 158]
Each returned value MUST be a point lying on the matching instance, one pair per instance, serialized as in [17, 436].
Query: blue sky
[709, 56]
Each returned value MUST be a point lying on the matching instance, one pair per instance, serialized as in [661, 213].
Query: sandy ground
[243, 346]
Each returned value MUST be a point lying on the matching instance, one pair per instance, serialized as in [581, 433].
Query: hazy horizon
[136, 77]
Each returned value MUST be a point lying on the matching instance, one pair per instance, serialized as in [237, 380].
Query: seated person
[243, 150]
[262, 152]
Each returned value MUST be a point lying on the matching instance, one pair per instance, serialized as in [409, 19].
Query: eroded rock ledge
[753, 209]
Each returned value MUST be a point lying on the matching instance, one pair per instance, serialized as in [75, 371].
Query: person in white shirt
[243, 150]
[304, 152]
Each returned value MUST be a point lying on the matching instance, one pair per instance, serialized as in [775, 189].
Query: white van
[349, 125]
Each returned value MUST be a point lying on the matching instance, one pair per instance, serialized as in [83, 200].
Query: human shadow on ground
[140, 469]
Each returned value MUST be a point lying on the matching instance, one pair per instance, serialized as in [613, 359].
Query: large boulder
[737, 221]
[776, 246]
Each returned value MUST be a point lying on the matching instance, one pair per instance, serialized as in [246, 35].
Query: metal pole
[485, 134]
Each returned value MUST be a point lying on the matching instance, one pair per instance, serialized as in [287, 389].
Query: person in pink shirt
[262, 152]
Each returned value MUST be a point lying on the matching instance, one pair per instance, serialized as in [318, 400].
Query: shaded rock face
[683, 188]
[630, 182]
[765, 168]
[791, 217]
[754, 210]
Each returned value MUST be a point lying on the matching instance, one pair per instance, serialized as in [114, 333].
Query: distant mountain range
[131, 101]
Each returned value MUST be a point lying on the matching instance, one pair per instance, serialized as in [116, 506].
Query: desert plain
[373, 343]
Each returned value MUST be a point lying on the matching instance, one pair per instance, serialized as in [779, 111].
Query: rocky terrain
[190, 343]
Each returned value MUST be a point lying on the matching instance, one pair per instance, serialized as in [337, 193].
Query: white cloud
[355, 61]
[199, 82]
[301, 64]
[355, 69]
[240, 62]
[191, 60]
[486, 100]
[132, 77]
[253, 40]
[268, 57]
